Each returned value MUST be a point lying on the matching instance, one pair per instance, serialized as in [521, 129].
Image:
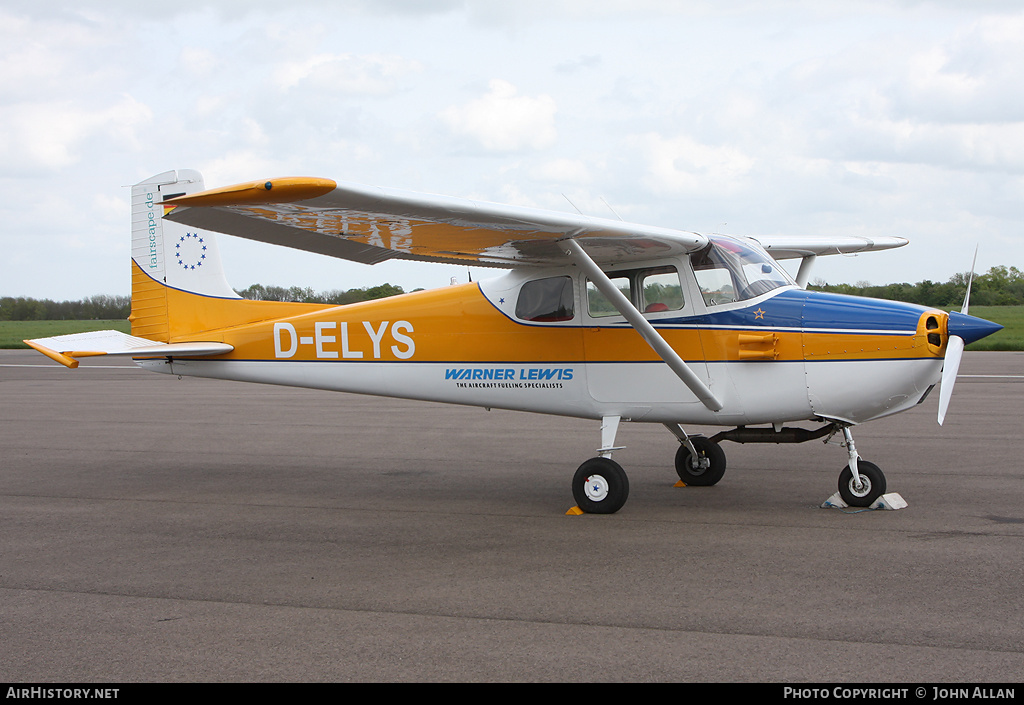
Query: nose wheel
[860, 482]
[870, 487]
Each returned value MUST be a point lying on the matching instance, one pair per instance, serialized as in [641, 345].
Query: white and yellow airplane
[597, 319]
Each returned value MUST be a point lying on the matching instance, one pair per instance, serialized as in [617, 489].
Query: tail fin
[169, 256]
[179, 292]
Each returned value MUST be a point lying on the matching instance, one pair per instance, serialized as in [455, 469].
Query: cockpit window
[545, 300]
[729, 270]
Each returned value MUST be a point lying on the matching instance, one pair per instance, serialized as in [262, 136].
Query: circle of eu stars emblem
[190, 251]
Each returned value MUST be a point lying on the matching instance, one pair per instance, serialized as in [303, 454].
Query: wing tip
[267, 191]
[65, 360]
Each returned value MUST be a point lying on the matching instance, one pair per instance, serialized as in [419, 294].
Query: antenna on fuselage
[572, 204]
[610, 208]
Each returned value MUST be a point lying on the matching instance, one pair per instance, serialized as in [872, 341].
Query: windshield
[729, 270]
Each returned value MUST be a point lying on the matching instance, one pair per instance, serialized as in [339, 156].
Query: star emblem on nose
[758, 314]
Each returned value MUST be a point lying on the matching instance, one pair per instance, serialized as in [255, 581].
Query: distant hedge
[258, 292]
[94, 307]
[103, 307]
[1000, 286]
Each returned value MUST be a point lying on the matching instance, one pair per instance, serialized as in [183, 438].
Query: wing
[789, 247]
[370, 224]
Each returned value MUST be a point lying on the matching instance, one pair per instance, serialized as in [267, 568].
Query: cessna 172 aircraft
[596, 318]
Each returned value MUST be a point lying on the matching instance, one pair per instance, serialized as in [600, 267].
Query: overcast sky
[767, 117]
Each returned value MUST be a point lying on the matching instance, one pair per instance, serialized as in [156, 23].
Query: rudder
[169, 256]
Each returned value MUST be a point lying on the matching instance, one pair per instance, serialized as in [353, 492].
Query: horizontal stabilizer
[66, 348]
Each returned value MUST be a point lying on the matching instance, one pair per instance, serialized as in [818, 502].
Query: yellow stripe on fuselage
[458, 324]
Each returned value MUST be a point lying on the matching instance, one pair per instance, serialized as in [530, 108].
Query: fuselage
[541, 341]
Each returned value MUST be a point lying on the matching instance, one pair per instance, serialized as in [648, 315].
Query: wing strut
[641, 325]
[804, 273]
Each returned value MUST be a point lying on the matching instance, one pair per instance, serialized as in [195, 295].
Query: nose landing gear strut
[860, 482]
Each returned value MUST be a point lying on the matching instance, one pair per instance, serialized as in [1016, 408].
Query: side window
[661, 290]
[650, 290]
[544, 300]
[716, 286]
[598, 305]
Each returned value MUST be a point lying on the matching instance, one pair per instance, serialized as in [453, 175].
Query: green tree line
[1000, 286]
[103, 307]
[99, 307]
[338, 297]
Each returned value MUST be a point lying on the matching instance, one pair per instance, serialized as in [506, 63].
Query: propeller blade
[974, 329]
[954, 351]
[970, 280]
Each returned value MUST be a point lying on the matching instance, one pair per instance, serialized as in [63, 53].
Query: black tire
[874, 484]
[600, 486]
[701, 477]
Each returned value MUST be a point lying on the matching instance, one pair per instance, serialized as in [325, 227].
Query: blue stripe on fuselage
[813, 310]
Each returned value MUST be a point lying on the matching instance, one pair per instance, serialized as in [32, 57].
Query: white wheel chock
[893, 500]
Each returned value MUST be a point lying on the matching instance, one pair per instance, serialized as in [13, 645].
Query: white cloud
[199, 61]
[568, 171]
[40, 137]
[348, 73]
[504, 121]
[680, 165]
[800, 117]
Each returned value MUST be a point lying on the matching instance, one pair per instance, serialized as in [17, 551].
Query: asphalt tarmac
[157, 529]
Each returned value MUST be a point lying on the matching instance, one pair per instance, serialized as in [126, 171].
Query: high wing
[791, 247]
[371, 224]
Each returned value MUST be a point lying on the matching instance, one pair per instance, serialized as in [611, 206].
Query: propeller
[962, 329]
[954, 351]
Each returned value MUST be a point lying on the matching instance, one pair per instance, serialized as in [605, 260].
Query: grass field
[13, 332]
[1011, 337]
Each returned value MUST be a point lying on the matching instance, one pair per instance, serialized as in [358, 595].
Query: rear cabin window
[546, 300]
[660, 290]
[650, 290]
[599, 305]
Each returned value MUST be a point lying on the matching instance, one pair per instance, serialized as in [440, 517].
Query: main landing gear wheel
[710, 463]
[872, 484]
[600, 486]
